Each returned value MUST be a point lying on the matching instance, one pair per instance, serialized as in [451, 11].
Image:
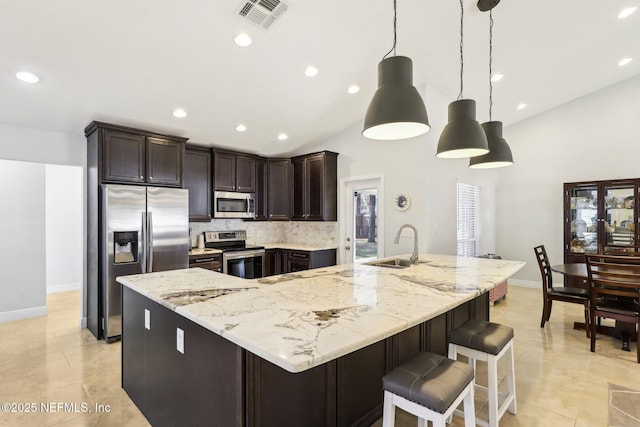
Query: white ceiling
[133, 62]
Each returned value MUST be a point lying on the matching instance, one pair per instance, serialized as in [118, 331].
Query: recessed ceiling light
[624, 61]
[497, 77]
[241, 128]
[311, 71]
[27, 77]
[627, 11]
[353, 89]
[179, 113]
[242, 40]
[283, 137]
[521, 106]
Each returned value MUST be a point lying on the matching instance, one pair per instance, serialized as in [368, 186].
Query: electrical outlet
[147, 319]
[180, 340]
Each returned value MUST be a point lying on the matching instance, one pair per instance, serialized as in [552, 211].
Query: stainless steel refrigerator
[144, 229]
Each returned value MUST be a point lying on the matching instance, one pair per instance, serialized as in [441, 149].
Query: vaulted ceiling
[134, 62]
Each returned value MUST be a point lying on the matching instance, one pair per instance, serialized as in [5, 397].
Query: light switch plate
[180, 340]
[147, 319]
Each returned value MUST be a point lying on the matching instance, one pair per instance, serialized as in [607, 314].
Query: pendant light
[499, 152]
[462, 136]
[396, 110]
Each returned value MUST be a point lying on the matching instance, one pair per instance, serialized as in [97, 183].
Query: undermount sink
[391, 263]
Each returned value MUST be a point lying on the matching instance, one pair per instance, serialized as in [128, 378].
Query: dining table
[622, 330]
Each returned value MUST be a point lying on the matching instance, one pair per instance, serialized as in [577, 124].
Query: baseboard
[25, 313]
[524, 283]
[53, 289]
[83, 323]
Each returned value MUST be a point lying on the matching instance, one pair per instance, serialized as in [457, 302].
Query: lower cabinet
[170, 387]
[281, 261]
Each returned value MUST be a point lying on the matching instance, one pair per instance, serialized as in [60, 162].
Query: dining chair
[552, 293]
[614, 285]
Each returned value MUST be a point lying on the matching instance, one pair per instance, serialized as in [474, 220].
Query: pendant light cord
[395, 39]
[461, 50]
[490, 62]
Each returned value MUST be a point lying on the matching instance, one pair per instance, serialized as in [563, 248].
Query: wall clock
[402, 202]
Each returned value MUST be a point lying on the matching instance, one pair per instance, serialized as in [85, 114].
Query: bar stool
[430, 387]
[488, 342]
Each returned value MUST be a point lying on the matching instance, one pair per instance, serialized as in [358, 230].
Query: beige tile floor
[559, 382]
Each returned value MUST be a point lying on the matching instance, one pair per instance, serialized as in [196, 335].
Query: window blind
[468, 213]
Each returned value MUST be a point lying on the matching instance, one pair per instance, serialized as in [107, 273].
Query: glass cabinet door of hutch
[619, 224]
[583, 217]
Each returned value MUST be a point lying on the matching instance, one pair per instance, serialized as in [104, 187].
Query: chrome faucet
[414, 255]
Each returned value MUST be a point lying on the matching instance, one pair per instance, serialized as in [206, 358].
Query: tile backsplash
[323, 234]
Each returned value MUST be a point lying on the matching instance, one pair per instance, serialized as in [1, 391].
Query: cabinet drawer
[300, 255]
[206, 262]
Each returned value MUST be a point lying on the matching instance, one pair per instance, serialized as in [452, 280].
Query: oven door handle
[243, 254]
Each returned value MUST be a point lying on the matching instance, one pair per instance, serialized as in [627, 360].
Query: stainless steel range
[238, 258]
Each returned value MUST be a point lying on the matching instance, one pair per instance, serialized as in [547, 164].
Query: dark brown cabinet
[197, 179]
[599, 213]
[279, 194]
[127, 155]
[206, 261]
[262, 207]
[234, 172]
[281, 261]
[315, 187]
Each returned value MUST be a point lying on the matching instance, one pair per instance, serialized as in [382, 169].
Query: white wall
[64, 228]
[34, 145]
[410, 167]
[595, 137]
[22, 252]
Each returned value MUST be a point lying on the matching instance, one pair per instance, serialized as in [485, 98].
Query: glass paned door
[366, 230]
[619, 224]
[584, 220]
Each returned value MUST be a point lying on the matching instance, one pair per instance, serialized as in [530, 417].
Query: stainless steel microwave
[233, 205]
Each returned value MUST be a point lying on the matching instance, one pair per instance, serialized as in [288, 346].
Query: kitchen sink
[391, 263]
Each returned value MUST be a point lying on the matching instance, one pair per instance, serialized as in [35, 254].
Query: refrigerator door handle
[150, 249]
[143, 239]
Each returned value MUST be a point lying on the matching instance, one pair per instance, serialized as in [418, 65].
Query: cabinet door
[197, 179]
[300, 191]
[245, 174]
[619, 213]
[224, 170]
[315, 178]
[279, 199]
[261, 189]
[164, 162]
[123, 157]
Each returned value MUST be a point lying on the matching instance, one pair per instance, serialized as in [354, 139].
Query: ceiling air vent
[263, 12]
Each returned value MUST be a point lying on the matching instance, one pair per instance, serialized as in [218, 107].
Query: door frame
[347, 186]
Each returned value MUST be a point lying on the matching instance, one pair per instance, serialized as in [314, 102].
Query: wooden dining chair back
[552, 293]
[615, 290]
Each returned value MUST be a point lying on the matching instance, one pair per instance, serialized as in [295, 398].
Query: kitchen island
[307, 348]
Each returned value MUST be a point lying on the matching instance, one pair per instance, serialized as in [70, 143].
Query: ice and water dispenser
[125, 247]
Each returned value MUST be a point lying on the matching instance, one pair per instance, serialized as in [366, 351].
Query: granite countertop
[296, 247]
[304, 319]
[205, 251]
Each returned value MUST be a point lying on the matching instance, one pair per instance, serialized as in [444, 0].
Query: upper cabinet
[234, 171]
[278, 184]
[315, 187]
[130, 155]
[197, 179]
[262, 207]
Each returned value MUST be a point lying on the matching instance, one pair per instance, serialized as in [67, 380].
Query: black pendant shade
[499, 154]
[462, 136]
[396, 110]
